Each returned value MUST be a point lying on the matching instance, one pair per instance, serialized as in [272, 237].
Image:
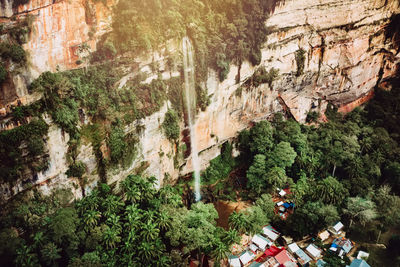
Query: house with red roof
[283, 257]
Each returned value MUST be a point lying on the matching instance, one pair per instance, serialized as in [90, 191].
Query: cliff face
[59, 29]
[325, 51]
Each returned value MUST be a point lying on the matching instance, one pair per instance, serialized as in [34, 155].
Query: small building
[293, 247]
[280, 203]
[341, 246]
[337, 228]
[290, 264]
[302, 258]
[234, 261]
[287, 239]
[261, 242]
[271, 262]
[246, 257]
[288, 205]
[271, 233]
[362, 255]
[314, 251]
[282, 193]
[254, 248]
[324, 235]
[284, 256]
[359, 263]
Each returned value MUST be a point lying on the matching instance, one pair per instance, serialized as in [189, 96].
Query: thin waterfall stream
[190, 99]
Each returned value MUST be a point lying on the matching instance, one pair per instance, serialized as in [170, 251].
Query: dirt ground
[225, 208]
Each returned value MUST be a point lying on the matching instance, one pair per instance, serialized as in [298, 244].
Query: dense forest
[347, 168]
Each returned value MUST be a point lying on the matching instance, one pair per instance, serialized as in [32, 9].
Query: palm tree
[50, 253]
[88, 203]
[163, 261]
[114, 221]
[146, 251]
[25, 257]
[148, 216]
[232, 236]
[133, 194]
[220, 252]
[149, 231]
[111, 237]
[330, 191]
[164, 221]
[91, 218]
[132, 214]
[111, 205]
[38, 239]
[238, 221]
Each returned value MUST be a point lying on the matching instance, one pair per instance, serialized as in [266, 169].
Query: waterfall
[190, 99]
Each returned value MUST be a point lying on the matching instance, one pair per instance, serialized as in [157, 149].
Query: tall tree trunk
[333, 171]
[200, 259]
[379, 235]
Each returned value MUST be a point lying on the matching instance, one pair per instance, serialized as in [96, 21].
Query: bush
[312, 116]
[76, 169]
[300, 61]
[12, 51]
[261, 75]
[171, 125]
[116, 143]
[36, 146]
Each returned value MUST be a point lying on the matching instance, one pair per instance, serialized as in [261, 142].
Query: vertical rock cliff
[325, 51]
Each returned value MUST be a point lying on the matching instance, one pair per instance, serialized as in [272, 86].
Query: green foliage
[312, 116]
[105, 229]
[310, 218]
[261, 75]
[344, 165]
[13, 52]
[116, 143]
[222, 32]
[330, 191]
[300, 61]
[238, 221]
[221, 166]
[3, 73]
[171, 125]
[63, 109]
[13, 147]
[262, 138]
[282, 156]
[202, 99]
[76, 169]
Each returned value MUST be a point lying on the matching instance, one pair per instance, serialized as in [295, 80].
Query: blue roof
[255, 264]
[286, 205]
[359, 263]
[343, 243]
[301, 254]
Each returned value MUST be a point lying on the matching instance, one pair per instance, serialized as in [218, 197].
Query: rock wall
[346, 55]
[60, 27]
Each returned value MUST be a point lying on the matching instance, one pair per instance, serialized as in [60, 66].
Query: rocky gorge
[325, 51]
